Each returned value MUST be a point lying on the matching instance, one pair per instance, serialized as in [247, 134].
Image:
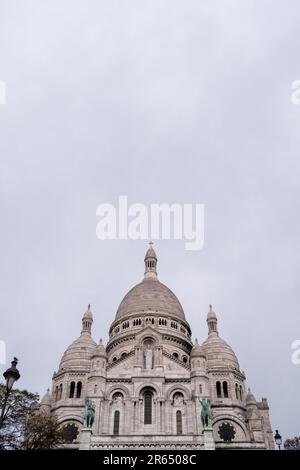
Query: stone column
[106, 417]
[101, 425]
[127, 409]
[198, 424]
[98, 416]
[163, 406]
[134, 417]
[138, 363]
[168, 416]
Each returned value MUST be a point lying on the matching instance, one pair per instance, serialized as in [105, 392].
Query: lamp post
[278, 439]
[11, 375]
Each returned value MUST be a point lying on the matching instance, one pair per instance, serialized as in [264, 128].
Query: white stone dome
[78, 354]
[150, 295]
[218, 353]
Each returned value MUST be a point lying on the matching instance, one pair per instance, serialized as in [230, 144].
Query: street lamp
[11, 375]
[278, 439]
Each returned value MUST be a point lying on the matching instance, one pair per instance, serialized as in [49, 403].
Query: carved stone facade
[146, 384]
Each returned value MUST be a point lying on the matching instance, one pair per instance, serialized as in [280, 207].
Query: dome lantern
[87, 321]
[212, 321]
[150, 263]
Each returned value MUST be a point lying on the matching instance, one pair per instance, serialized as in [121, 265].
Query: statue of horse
[206, 413]
[89, 413]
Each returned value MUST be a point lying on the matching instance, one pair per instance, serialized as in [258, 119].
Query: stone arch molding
[117, 388]
[70, 418]
[178, 388]
[234, 419]
[148, 385]
[151, 334]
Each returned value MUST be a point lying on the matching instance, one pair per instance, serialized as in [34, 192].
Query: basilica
[148, 382]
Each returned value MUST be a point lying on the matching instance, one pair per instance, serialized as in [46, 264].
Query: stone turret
[45, 406]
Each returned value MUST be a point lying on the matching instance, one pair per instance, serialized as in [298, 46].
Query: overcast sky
[162, 101]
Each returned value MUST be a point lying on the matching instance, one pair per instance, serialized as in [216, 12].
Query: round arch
[148, 386]
[151, 336]
[233, 419]
[117, 388]
[178, 388]
[70, 418]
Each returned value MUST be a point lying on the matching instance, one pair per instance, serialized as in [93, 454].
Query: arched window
[179, 422]
[241, 393]
[60, 392]
[114, 359]
[184, 359]
[175, 355]
[95, 388]
[237, 391]
[72, 389]
[218, 387]
[148, 408]
[116, 422]
[78, 390]
[56, 393]
[117, 397]
[225, 389]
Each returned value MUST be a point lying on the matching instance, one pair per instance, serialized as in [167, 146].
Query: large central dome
[150, 295]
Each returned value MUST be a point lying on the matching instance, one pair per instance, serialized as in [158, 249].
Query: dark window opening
[179, 422]
[225, 389]
[148, 408]
[72, 389]
[78, 391]
[116, 422]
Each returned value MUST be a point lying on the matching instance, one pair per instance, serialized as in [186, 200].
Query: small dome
[46, 400]
[150, 253]
[79, 353]
[218, 353]
[197, 350]
[100, 350]
[150, 294]
[250, 398]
